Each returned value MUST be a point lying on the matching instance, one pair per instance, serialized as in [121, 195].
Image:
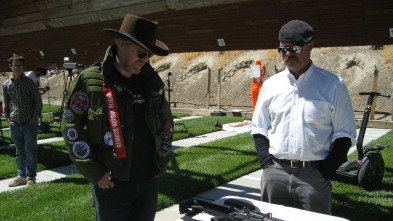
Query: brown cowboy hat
[142, 32]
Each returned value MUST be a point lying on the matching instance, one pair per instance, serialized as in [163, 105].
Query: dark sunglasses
[292, 49]
[143, 54]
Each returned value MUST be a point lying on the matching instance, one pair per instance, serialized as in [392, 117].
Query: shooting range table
[277, 211]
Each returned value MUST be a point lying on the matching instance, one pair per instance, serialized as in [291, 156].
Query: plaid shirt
[21, 99]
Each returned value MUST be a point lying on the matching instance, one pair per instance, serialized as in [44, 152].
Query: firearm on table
[238, 210]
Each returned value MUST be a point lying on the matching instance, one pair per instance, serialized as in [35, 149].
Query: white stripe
[251, 178]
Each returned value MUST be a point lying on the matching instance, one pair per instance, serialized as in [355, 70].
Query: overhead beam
[185, 26]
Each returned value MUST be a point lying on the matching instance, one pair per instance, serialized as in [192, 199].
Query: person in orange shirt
[256, 84]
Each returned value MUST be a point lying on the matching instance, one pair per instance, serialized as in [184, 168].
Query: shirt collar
[303, 77]
[14, 79]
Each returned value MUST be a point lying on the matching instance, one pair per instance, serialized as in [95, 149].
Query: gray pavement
[246, 186]
[370, 135]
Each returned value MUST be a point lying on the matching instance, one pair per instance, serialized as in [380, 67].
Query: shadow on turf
[180, 184]
[75, 180]
[359, 210]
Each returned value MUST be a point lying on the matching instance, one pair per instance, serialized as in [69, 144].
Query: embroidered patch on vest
[79, 102]
[81, 150]
[108, 139]
[165, 149]
[168, 130]
[72, 134]
[68, 115]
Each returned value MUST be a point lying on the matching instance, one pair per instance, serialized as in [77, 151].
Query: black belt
[296, 163]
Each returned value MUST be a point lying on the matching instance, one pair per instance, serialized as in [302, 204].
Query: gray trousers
[302, 188]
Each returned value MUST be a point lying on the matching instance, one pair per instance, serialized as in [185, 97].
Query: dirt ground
[189, 76]
[356, 65]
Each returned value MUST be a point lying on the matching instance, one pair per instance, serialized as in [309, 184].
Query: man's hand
[105, 183]
[9, 121]
[43, 89]
[33, 120]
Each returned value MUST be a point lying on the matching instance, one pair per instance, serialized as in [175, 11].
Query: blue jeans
[24, 136]
[126, 201]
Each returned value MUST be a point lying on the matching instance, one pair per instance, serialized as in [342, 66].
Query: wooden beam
[142, 9]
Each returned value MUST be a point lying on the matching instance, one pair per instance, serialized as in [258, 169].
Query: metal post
[67, 86]
[169, 88]
[50, 115]
[209, 74]
[374, 90]
[219, 89]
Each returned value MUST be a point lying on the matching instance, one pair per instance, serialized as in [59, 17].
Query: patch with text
[168, 130]
[72, 134]
[108, 139]
[81, 150]
[79, 102]
[68, 115]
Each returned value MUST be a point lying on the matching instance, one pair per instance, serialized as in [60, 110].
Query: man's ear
[311, 45]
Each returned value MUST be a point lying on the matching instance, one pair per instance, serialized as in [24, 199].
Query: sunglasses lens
[292, 49]
[296, 49]
[144, 54]
[282, 50]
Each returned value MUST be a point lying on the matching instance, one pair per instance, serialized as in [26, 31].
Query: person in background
[256, 84]
[35, 76]
[303, 126]
[22, 108]
[118, 125]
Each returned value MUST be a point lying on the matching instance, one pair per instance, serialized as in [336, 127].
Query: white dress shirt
[301, 118]
[33, 77]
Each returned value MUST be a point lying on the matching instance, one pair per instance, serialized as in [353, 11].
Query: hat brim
[159, 48]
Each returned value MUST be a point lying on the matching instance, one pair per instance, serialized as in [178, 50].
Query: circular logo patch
[68, 115]
[81, 150]
[168, 130]
[79, 102]
[108, 138]
[72, 134]
[165, 149]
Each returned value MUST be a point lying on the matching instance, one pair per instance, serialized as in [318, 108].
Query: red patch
[79, 102]
[168, 130]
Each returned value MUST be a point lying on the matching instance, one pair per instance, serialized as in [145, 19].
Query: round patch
[79, 102]
[81, 150]
[165, 149]
[68, 115]
[108, 138]
[168, 130]
[72, 134]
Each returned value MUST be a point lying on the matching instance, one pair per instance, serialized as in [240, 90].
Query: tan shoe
[17, 181]
[30, 181]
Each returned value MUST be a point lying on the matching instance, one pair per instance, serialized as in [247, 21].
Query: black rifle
[238, 210]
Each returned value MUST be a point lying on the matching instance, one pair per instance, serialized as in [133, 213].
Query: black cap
[296, 32]
[42, 70]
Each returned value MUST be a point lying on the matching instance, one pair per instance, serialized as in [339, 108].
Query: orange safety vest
[256, 85]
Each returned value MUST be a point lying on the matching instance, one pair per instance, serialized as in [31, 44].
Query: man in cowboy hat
[118, 126]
